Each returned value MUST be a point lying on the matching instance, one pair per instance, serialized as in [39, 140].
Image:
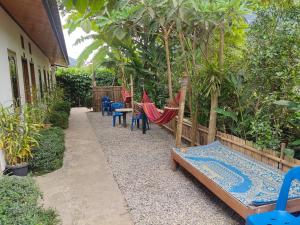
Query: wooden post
[194, 128]
[184, 83]
[131, 90]
[282, 147]
[93, 75]
[123, 75]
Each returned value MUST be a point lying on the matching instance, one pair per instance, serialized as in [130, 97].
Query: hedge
[48, 156]
[77, 83]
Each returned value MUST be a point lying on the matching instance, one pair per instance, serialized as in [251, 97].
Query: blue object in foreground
[114, 106]
[279, 216]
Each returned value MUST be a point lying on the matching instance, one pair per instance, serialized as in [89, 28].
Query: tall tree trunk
[184, 84]
[169, 72]
[123, 75]
[195, 112]
[221, 49]
[194, 126]
[181, 40]
[212, 128]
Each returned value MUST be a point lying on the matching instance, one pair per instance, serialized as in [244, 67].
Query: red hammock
[126, 95]
[158, 116]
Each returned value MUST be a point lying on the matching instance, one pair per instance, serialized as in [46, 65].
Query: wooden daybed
[201, 167]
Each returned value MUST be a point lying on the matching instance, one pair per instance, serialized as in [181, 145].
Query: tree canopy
[246, 72]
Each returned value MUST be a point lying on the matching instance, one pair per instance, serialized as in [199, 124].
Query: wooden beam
[184, 83]
[131, 89]
[282, 147]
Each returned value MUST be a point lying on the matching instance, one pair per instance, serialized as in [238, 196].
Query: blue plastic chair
[106, 105]
[114, 106]
[279, 216]
[135, 120]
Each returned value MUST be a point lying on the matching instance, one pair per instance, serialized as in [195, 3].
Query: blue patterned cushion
[251, 182]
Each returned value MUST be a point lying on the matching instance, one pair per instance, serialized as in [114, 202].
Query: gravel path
[154, 193]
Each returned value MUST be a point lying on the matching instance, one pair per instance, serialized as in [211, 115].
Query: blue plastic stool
[135, 120]
[114, 106]
[279, 216]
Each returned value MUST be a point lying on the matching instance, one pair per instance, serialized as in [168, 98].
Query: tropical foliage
[77, 83]
[242, 58]
[20, 126]
[17, 132]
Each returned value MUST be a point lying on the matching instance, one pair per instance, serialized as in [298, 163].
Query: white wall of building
[10, 39]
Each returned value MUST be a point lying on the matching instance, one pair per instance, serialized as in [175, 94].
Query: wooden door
[26, 81]
[33, 82]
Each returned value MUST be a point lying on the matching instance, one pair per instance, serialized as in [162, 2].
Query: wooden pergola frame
[244, 211]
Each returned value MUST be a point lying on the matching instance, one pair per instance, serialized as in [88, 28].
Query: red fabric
[155, 115]
[126, 95]
[146, 98]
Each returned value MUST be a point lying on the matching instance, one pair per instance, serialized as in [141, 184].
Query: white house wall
[10, 33]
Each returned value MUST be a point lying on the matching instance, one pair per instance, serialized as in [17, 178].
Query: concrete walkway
[84, 191]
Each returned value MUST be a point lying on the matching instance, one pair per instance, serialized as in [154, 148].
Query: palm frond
[85, 54]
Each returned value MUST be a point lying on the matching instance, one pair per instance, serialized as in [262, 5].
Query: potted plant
[19, 131]
[18, 151]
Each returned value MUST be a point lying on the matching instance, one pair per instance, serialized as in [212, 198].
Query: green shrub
[19, 203]
[62, 106]
[88, 102]
[77, 83]
[59, 119]
[48, 156]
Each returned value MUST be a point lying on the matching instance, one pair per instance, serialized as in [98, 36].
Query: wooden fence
[267, 156]
[113, 92]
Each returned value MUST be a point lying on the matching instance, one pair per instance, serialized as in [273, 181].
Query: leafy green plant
[19, 203]
[18, 132]
[58, 109]
[273, 68]
[77, 83]
[59, 119]
[37, 113]
[62, 106]
[48, 156]
[289, 153]
[52, 98]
